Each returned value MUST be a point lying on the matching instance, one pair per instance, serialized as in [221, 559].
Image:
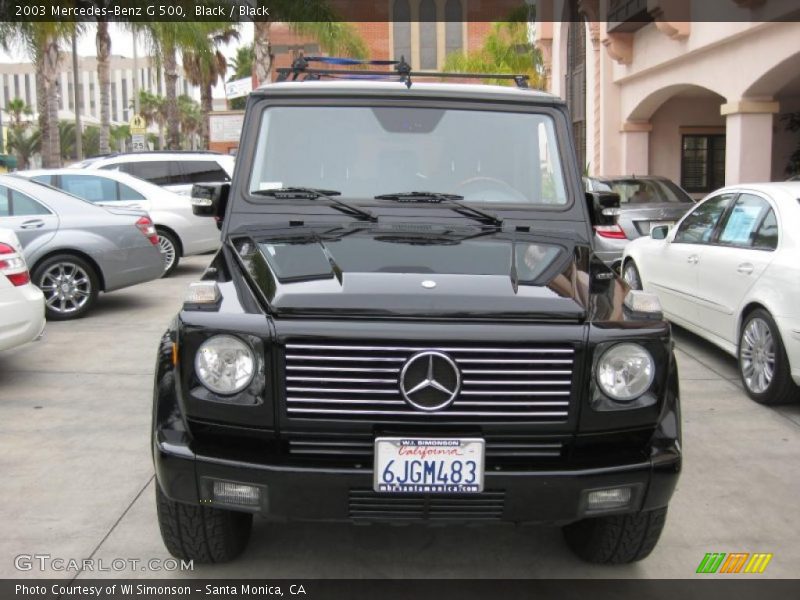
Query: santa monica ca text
[141, 589]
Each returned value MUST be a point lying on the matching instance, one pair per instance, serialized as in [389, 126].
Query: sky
[122, 44]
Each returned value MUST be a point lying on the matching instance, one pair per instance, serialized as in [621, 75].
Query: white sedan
[730, 272]
[21, 302]
[180, 231]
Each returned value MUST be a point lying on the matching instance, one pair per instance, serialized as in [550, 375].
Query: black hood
[417, 271]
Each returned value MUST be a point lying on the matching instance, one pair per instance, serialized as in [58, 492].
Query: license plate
[428, 465]
[654, 224]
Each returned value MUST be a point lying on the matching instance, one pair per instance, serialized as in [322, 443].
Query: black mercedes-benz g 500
[406, 322]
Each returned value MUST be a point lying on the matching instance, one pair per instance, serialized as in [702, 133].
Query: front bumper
[345, 494]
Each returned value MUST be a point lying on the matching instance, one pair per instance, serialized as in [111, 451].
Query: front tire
[630, 274]
[199, 533]
[70, 286]
[170, 250]
[763, 364]
[616, 539]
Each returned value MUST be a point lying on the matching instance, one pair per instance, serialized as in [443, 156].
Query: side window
[203, 171]
[766, 238]
[128, 193]
[158, 172]
[743, 221]
[698, 226]
[5, 202]
[90, 187]
[48, 179]
[17, 204]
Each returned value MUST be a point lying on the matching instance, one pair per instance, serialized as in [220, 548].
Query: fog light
[240, 494]
[609, 498]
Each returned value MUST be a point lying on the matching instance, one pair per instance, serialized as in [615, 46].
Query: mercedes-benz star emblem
[430, 380]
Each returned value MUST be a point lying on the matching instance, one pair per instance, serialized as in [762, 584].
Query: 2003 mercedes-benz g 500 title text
[406, 321]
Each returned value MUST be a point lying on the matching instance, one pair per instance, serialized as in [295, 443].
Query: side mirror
[603, 207]
[210, 200]
[660, 232]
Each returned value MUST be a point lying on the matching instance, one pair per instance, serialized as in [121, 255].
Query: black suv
[406, 322]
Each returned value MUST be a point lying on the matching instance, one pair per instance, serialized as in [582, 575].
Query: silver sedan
[75, 249]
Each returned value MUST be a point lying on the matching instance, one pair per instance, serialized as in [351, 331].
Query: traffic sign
[138, 143]
[138, 125]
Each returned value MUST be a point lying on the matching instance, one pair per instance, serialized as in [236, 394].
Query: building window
[17, 93]
[453, 30]
[124, 93]
[28, 89]
[70, 95]
[401, 30]
[428, 44]
[92, 104]
[576, 86]
[6, 97]
[702, 162]
[114, 114]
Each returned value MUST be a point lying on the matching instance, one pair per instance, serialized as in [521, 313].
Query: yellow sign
[138, 125]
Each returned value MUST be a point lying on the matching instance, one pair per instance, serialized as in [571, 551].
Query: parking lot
[78, 477]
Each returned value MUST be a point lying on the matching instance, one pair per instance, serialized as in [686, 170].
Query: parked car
[363, 348]
[644, 203]
[180, 232]
[175, 171]
[730, 272]
[76, 249]
[21, 302]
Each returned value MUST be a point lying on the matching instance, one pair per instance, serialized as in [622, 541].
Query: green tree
[23, 140]
[242, 66]
[204, 66]
[119, 137]
[66, 136]
[314, 18]
[154, 110]
[41, 41]
[190, 117]
[506, 49]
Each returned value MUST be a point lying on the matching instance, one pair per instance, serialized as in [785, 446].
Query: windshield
[645, 191]
[363, 152]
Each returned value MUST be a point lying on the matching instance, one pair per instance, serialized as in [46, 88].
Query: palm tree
[67, 139]
[119, 135]
[191, 117]
[24, 143]
[103, 46]
[314, 18]
[242, 66]
[153, 109]
[41, 41]
[204, 66]
[506, 49]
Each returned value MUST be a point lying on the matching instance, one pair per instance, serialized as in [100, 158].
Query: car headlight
[224, 364]
[625, 371]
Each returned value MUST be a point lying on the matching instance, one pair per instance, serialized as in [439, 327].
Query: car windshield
[646, 191]
[364, 152]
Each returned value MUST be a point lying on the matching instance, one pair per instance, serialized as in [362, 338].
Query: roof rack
[401, 72]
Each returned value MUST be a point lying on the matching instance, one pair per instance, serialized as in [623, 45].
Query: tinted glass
[698, 226]
[159, 172]
[128, 193]
[202, 171]
[17, 204]
[5, 205]
[48, 179]
[766, 237]
[742, 222]
[366, 151]
[91, 188]
[646, 191]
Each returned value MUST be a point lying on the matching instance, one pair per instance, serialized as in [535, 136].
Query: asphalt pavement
[77, 476]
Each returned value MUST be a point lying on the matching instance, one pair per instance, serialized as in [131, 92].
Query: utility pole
[77, 98]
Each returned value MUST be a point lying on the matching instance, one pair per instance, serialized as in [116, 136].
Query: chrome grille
[344, 381]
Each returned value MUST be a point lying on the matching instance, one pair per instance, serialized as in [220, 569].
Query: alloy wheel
[66, 287]
[167, 250]
[631, 276]
[757, 356]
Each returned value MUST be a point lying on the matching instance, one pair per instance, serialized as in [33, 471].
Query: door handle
[745, 268]
[32, 224]
[693, 259]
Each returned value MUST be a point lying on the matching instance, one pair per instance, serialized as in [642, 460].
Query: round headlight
[625, 371]
[224, 364]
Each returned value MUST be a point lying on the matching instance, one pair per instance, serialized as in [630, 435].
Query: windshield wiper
[304, 193]
[452, 201]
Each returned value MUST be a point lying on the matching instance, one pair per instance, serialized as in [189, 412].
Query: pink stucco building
[656, 87]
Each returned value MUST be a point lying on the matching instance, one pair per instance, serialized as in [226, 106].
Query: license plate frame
[442, 453]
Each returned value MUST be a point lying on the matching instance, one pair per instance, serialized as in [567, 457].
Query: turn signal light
[612, 232]
[145, 225]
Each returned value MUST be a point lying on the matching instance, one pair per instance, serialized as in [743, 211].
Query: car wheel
[199, 533]
[763, 364]
[630, 274]
[70, 286]
[616, 539]
[168, 244]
